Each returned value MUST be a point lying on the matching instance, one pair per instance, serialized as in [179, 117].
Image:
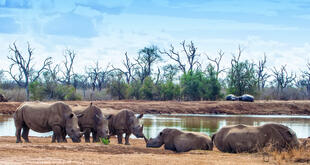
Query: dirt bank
[41, 151]
[194, 107]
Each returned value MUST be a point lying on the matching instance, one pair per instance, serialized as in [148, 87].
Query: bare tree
[25, 73]
[68, 64]
[51, 80]
[282, 78]
[93, 74]
[262, 76]
[170, 71]
[217, 62]
[148, 56]
[191, 55]
[306, 79]
[129, 66]
[157, 76]
[103, 76]
[241, 76]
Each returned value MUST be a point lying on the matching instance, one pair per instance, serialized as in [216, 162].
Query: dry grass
[295, 156]
[300, 155]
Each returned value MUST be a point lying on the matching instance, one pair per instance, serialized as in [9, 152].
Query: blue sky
[105, 30]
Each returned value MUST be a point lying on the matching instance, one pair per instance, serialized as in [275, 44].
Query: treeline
[147, 76]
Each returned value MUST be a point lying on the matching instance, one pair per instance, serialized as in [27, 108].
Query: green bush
[169, 91]
[147, 89]
[133, 90]
[36, 90]
[118, 88]
[196, 85]
[64, 92]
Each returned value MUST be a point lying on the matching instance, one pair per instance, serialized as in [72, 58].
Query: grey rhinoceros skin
[243, 138]
[42, 117]
[125, 122]
[92, 120]
[181, 141]
[247, 98]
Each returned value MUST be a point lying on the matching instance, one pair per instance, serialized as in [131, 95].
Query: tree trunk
[27, 92]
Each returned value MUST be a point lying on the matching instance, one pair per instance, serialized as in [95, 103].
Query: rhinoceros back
[40, 117]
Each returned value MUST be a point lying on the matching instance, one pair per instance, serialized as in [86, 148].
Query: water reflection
[7, 127]
[209, 124]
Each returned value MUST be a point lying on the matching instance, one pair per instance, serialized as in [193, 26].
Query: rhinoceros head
[72, 128]
[102, 125]
[156, 142]
[135, 127]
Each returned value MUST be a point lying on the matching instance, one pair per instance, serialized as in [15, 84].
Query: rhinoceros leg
[64, 134]
[17, 134]
[120, 138]
[127, 139]
[53, 138]
[25, 133]
[87, 135]
[95, 137]
[57, 133]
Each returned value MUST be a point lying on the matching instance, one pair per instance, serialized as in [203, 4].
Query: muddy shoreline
[293, 107]
[42, 151]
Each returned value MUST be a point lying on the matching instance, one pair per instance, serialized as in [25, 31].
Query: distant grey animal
[181, 141]
[242, 138]
[41, 117]
[247, 98]
[125, 122]
[231, 97]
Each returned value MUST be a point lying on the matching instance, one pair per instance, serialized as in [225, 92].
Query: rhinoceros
[242, 138]
[246, 97]
[42, 117]
[180, 141]
[231, 97]
[91, 120]
[126, 122]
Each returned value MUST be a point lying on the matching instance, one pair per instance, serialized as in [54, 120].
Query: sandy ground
[300, 107]
[42, 151]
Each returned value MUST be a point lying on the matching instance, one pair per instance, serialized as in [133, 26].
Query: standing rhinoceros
[41, 117]
[126, 122]
[92, 120]
[181, 141]
[242, 138]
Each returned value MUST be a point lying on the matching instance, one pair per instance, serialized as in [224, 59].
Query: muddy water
[208, 124]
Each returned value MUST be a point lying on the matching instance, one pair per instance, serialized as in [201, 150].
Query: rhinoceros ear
[140, 116]
[91, 104]
[71, 115]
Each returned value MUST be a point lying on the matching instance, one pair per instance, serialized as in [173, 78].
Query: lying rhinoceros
[242, 138]
[231, 97]
[41, 117]
[126, 122]
[92, 120]
[247, 98]
[181, 141]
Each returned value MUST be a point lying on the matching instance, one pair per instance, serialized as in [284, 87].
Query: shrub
[147, 89]
[36, 91]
